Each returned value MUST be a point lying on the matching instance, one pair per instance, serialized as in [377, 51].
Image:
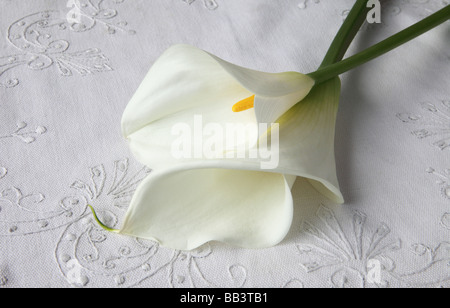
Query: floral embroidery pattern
[435, 266]
[334, 248]
[443, 180]
[87, 255]
[25, 214]
[99, 258]
[86, 14]
[14, 203]
[35, 37]
[24, 135]
[433, 123]
[184, 270]
[121, 188]
[81, 235]
[32, 208]
[349, 254]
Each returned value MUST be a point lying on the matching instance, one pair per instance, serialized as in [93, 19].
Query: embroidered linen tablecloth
[68, 70]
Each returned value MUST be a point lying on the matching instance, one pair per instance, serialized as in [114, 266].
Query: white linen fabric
[64, 86]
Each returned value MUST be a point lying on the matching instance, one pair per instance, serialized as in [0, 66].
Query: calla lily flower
[187, 202]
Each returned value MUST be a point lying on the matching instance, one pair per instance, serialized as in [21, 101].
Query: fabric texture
[68, 70]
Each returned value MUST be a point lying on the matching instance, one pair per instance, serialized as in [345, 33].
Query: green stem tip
[100, 223]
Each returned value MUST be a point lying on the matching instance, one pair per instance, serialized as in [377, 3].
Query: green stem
[100, 223]
[429, 23]
[347, 33]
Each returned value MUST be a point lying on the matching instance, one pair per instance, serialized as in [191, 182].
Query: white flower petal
[307, 137]
[276, 93]
[171, 205]
[183, 79]
[270, 109]
[153, 144]
[306, 143]
[268, 84]
[183, 209]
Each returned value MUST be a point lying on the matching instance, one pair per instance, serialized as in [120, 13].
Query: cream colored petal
[156, 145]
[268, 84]
[186, 82]
[276, 93]
[183, 209]
[269, 109]
[307, 138]
[183, 79]
[306, 144]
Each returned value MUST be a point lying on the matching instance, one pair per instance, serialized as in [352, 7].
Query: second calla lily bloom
[188, 201]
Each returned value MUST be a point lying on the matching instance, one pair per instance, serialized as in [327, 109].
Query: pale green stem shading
[429, 23]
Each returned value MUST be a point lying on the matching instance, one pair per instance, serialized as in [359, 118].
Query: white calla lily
[187, 202]
[188, 80]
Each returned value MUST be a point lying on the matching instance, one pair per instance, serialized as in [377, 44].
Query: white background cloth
[63, 90]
